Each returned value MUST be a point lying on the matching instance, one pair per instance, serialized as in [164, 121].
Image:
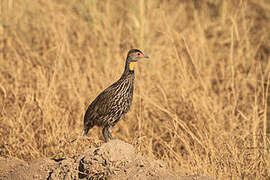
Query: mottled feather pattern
[115, 101]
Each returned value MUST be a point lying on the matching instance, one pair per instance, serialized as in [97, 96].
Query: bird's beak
[145, 56]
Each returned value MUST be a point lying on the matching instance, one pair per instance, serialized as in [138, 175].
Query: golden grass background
[200, 101]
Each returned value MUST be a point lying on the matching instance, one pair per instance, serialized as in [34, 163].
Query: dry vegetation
[199, 102]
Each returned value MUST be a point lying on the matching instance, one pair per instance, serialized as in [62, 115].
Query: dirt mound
[114, 160]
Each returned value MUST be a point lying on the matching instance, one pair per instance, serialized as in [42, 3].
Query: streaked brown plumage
[115, 101]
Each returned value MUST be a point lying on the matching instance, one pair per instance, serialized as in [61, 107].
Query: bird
[115, 101]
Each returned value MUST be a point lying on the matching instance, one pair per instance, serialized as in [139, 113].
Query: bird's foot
[107, 133]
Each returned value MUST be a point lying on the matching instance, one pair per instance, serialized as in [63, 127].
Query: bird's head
[133, 56]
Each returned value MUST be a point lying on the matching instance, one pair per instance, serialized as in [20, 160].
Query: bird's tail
[86, 128]
[85, 131]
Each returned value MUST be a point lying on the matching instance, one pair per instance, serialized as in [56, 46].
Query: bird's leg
[104, 133]
[107, 133]
[110, 132]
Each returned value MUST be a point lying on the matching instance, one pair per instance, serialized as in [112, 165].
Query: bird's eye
[138, 54]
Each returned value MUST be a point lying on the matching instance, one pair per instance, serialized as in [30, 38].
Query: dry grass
[199, 102]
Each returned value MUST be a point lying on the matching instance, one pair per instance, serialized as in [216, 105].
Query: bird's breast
[124, 94]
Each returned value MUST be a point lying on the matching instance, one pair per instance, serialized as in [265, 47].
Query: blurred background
[200, 101]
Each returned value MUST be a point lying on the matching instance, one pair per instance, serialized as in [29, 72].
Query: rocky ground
[113, 160]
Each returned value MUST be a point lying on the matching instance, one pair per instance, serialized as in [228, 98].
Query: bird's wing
[103, 105]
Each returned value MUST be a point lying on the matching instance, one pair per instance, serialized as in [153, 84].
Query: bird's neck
[129, 67]
[129, 72]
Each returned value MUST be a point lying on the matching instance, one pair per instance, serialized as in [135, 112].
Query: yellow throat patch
[131, 66]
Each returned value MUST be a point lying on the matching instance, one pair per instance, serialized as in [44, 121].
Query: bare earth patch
[113, 160]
